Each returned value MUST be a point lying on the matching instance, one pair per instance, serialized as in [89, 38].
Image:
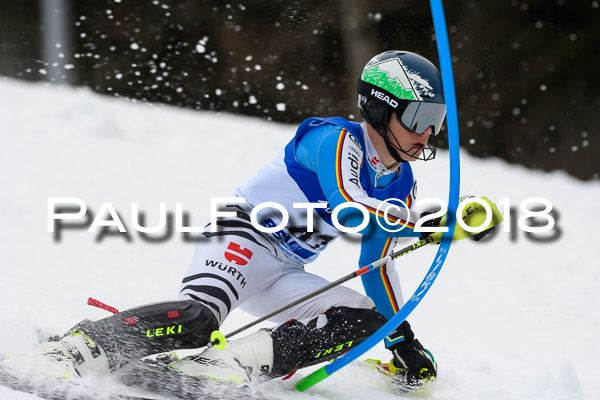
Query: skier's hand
[430, 223]
[413, 363]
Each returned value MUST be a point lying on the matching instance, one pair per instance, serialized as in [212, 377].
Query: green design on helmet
[393, 84]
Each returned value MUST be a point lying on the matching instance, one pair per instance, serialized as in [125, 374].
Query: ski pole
[474, 216]
[217, 339]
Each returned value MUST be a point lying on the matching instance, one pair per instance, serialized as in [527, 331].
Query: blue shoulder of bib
[299, 168]
[306, 179]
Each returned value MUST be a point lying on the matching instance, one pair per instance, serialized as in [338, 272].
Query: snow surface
[507, 319]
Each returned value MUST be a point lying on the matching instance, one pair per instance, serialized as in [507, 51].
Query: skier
[330, 162]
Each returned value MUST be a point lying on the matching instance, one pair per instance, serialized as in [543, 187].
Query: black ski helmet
[409, 85]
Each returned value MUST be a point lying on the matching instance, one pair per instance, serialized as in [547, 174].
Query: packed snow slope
[513, 318]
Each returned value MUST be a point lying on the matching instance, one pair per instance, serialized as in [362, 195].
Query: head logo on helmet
[384, 97]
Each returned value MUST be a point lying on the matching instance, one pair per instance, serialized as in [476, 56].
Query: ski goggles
[418, 116]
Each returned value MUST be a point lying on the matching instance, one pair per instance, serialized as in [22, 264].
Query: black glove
[413, 363]
[435, 222]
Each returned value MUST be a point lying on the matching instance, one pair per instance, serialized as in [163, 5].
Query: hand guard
[460, 233]
[478, 236]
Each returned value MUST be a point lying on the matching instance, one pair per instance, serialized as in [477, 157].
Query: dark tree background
[526, 71]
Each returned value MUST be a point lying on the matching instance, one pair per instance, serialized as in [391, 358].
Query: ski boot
[75, 354]
[413, 366]
[243, 362]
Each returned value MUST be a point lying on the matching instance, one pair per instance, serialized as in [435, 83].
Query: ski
[137, 381]
[52, 388]
[160, 378]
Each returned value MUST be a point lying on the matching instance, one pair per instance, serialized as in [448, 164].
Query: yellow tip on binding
[394, 370]
[218, 340]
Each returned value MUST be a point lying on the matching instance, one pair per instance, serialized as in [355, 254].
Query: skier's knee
[366, 303]
[355, 301]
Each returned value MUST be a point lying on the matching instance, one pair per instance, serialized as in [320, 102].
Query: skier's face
[411, 142]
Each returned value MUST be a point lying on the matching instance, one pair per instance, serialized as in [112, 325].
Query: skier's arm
[382, 285]
[335, 155]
